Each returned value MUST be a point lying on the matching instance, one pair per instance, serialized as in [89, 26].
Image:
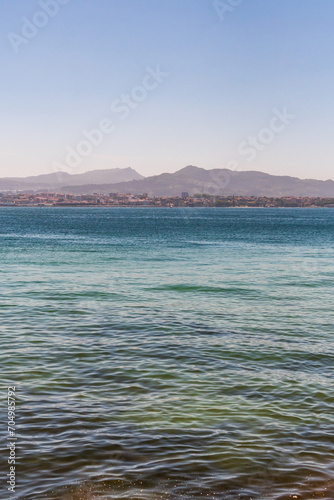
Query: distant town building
[49, 199]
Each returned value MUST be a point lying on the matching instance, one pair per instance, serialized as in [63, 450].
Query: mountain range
[216, 182]
[58, 179]
[190, 179]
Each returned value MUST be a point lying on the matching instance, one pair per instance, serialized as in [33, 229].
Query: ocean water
[168, 353]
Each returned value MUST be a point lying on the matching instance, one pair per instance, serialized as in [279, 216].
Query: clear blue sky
[226, 75]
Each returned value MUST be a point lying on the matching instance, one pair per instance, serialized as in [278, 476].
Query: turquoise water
[169, 353]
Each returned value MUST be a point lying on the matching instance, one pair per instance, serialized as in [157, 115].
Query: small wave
[204, 289]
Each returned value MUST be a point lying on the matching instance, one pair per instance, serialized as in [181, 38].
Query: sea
[167, 353]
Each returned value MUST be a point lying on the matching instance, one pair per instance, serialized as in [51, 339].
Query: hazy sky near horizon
[242, 84]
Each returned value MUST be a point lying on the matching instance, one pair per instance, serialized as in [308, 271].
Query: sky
[161, 84]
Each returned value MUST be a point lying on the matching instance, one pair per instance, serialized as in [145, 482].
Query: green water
[169, 353]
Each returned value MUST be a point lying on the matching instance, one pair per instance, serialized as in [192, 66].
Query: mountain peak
[189, 169]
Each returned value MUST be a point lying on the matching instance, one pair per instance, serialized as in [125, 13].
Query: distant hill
[218, 182]
[56, 180]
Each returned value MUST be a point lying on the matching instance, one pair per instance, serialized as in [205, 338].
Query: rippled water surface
[169, 353]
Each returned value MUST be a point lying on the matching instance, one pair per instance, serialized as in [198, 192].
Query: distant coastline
[119, 200]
